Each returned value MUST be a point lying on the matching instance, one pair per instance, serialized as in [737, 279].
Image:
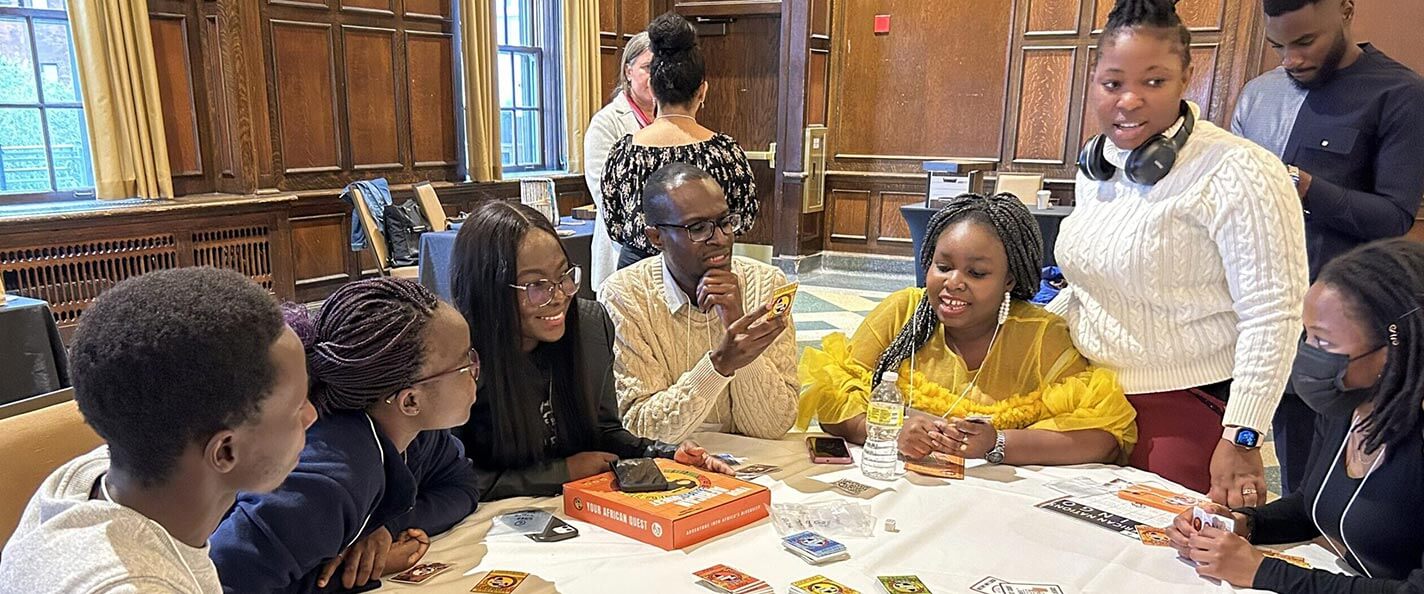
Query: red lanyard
[643, 119]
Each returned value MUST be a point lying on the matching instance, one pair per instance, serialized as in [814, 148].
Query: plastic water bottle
[880, 459]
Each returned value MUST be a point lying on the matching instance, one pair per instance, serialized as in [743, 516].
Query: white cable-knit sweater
[1195, 280]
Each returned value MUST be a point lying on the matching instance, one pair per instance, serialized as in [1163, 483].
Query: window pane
[57, 77]
[530, 145]
[44, 4]
[24, 162]
[69, 148]
[526, 81]
[500, 38]
[506, 136]
[506, 79]
[17, 64]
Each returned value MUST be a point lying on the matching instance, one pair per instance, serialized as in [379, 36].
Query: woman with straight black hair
[546, 412]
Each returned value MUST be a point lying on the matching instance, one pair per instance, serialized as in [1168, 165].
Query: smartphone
[556, 531]
[828, 450]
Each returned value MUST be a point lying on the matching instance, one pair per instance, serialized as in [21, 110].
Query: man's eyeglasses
[541, 292]
[702, 230]
[472, 368]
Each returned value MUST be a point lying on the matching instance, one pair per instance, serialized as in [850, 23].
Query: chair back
[374, 238]
[430, 206]
[1024, 186]
[33, 444]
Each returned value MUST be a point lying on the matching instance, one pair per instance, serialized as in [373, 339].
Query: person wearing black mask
[1360, 366]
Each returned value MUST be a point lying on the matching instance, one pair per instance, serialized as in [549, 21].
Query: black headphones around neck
[1147, 164]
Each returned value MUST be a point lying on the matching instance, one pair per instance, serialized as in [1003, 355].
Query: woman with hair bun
[391, 372]
[677, 76]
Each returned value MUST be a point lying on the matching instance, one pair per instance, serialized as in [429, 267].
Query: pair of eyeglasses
[542, 292]
[473, 368]
[701, 231]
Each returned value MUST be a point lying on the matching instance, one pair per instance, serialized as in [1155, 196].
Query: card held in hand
[500, 581]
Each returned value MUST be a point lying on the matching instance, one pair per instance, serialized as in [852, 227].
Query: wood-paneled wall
[1003, 81]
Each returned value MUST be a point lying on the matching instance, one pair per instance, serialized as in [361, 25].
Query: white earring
[1004, 307]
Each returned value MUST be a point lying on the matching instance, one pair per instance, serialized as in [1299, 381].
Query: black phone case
[556, 531]
[639, 475]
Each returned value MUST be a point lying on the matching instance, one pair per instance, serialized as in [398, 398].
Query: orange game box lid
[673, 519]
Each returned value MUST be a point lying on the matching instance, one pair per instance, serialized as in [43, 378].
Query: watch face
[1247, 438]
[994, 457]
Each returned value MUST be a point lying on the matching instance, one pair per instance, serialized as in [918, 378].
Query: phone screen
[829, 447]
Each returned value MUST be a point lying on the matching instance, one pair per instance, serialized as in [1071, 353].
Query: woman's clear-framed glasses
[541, 292]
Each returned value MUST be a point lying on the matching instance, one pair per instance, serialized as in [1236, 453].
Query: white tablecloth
[951, 534]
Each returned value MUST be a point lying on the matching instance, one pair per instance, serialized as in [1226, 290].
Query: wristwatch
[1242, 437]
[1294, 173]
[996, 455]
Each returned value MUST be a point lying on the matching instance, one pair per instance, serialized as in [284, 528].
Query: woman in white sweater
[631, 108]
[1185, 259]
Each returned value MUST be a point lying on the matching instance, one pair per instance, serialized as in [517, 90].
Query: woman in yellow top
[971, 344]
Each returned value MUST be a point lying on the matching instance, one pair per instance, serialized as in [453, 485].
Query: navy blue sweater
[349, 482]
[1361, 139]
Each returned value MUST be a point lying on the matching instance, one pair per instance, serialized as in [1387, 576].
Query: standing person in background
[678, 81]
[1349, 123]
[1185, 261]
[630, 110]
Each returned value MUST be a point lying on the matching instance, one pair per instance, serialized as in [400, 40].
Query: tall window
[44, 143]
[529, 75]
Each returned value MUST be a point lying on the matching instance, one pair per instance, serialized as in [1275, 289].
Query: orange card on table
[938, 465]
[1159, 498]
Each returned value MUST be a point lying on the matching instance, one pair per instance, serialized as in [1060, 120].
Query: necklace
[675, 115]
[104, 488]
[975, 380]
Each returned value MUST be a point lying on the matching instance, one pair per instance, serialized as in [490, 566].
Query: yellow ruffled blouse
[1032, 378]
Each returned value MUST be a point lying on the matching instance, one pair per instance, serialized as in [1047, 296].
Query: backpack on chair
[404, 224]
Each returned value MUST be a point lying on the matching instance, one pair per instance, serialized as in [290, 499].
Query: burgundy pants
[1177, 433]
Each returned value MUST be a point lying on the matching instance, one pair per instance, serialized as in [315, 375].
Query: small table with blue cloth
[32, 356]
[918, 217]
[437, 247]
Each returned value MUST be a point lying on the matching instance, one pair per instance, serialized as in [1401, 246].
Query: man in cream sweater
[694, 350]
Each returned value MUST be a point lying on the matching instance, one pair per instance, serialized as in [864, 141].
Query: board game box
[674, 519]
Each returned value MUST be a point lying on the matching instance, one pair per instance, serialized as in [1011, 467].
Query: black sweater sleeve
[1278, 576]
[1287, 520]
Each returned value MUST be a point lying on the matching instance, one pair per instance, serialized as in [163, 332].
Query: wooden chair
[33, 444]
[430, 206]
[377, 241]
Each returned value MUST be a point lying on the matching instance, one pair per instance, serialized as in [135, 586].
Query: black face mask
[1319, 379]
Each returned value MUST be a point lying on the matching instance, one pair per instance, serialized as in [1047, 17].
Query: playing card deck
[819, 584]
[903, 584]
[420, 573]
[500, 581]
[724, 579]
[814, 548]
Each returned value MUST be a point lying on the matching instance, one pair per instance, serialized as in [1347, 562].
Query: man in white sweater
[200, 391]
[694, 350]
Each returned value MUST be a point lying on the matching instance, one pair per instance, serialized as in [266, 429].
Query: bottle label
[884, 413]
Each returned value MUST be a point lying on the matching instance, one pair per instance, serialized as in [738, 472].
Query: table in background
[917, 216]
[436, 248]
[951, 534]
[32, 357]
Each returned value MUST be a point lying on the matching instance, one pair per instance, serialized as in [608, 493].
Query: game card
[903, 584]
[1159, 498]
[850, 487]
[1200, 519]
[500, 581]
[813, 544]
[819, 584]
[1153, 536]
[726, 578]
[988, 585]
[938, 465]
[781, 301]
[756, 470]
[1292, 559]
[420, 573]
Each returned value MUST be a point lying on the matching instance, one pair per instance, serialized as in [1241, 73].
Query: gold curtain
[582, 83]
[478, 52]
[114, 49]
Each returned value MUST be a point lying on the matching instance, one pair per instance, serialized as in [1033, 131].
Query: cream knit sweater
[667, 387]
[1195, 280]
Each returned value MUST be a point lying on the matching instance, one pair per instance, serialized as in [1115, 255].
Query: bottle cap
[890, 376]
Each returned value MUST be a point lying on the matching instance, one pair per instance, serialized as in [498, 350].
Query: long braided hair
[1160, 15]
[1023, 244]
[1384, 281]
[366, 344]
